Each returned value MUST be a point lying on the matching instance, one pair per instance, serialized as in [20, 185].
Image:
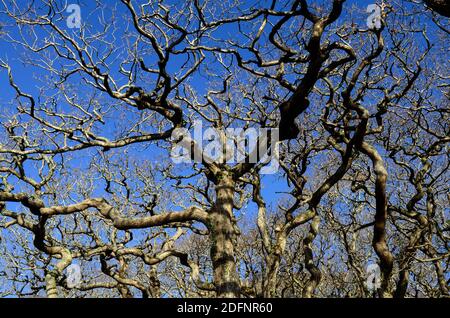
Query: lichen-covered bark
[222, 237]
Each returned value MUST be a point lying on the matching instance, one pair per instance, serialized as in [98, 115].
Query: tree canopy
[341, 183]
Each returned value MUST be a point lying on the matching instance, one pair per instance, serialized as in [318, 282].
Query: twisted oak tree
[87, 178]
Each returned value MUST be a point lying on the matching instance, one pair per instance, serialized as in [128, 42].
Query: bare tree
[86, 150]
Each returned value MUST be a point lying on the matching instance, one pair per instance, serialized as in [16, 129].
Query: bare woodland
[86, 132]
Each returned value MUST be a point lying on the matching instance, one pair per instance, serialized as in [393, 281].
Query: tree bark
[379, 242]
[50, 284]
[223, 237]
[274, 260]
[316, 275]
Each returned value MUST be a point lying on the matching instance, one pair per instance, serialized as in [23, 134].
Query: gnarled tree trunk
[223, 237]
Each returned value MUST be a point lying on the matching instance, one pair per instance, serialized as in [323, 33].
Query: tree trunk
[273, 262]
[223, 237]
[155, 284]
[379, 241]
[50, 284]
[316, 275]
